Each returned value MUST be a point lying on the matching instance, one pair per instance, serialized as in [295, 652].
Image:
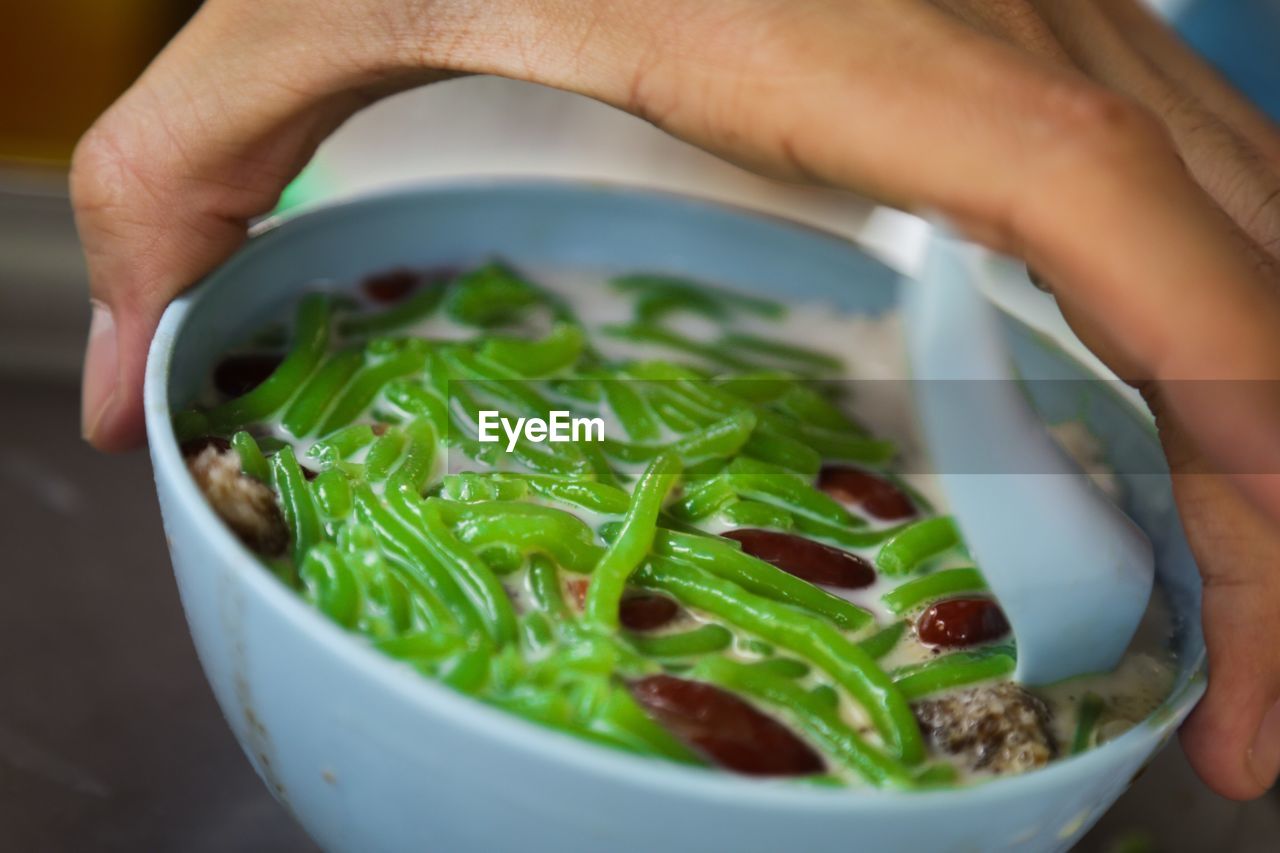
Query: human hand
[1082, 137]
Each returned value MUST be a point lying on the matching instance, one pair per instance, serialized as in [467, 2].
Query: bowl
[369, 756]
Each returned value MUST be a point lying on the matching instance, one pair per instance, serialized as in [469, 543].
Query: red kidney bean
[959, 622]
[194, 447]
[646, 611]
[393, 285]
[806, 559]
[875, 495]
[240, 374]
[640, 611]
[724, 729]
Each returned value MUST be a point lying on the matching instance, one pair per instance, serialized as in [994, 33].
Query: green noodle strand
[296, 503]
[311, 337]
[810, 638]
[252, 462]
[319, 392]
[626, 552]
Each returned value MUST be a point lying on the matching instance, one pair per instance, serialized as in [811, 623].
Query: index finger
[165, 184]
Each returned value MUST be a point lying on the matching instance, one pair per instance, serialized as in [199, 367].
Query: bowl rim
[429, 697]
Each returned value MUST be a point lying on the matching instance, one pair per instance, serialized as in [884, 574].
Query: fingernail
[101, 370]
[1264, 756]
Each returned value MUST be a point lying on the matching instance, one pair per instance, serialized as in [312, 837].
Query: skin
[1082, 137]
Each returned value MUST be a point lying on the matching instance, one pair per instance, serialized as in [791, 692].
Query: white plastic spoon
[1072, 572]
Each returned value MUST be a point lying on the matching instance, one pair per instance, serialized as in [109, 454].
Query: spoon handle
[1072, 572]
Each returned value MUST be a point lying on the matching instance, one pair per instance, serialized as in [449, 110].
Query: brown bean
[239, 374]
[647, 611]
[875, 495]
[724, 729]
[959, 622]
[806, 559]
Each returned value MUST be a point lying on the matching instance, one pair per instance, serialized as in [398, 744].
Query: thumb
[167, 180]
[1233, 737]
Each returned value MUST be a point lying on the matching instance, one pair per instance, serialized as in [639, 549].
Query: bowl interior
[565, 225]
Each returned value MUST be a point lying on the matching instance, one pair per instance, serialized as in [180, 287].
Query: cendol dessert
[644, 511]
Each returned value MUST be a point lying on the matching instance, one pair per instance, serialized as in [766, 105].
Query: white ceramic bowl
[370, 756]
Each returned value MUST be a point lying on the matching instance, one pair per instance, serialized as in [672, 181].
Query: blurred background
[109, 738]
